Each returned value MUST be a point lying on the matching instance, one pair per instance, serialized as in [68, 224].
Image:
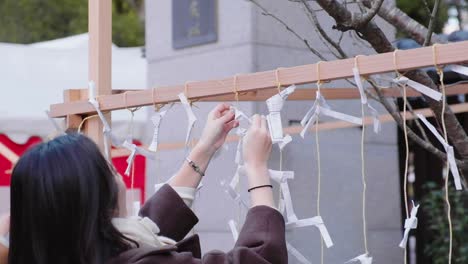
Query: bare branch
[402, 21]
[318, 27]
[432, 21]
[365, 18]
[282, 22]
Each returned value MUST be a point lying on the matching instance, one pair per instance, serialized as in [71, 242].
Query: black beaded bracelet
[260, 186]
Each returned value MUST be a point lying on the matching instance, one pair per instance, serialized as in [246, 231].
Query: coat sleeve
[167, 209]
[261, 240]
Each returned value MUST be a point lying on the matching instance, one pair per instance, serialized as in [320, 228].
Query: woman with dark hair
[64, 197]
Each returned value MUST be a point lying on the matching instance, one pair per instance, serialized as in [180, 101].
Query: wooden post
[72, 122]
[100, 59]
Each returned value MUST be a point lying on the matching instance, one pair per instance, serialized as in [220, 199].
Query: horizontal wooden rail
[307, 94]
[325, 126]
[328, 70]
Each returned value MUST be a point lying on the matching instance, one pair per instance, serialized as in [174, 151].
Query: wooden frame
[329, 70]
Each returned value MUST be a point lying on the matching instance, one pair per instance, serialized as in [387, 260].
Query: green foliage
[417, 10]
[28, 21]
[435, 208]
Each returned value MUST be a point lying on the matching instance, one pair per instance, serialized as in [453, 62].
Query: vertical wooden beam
[100, 58]
[72, 122]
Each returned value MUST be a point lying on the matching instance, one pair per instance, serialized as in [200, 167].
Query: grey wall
[248, 42]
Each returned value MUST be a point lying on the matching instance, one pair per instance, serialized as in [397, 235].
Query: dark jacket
[261, 240]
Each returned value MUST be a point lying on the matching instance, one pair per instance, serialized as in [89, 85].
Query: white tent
[34, 76]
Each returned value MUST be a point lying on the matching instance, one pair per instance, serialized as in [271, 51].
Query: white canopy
[34, 76]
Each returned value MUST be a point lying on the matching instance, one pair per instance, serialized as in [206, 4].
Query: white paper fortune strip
[238, 114]
[357, 79]
[419, 87]
[410, 223]
[460, 69]
[190, 115]
[5, 240]
[298, 255]
[375, 118]
[136, 208]
[282, 178]
[364, 259]
[275, 104]
[286, 140]
[320, 106]
[233, 194]
[134, 149]
[316, 221]
[240, 132]
[448, 149]
[156, 119]
[233, 226]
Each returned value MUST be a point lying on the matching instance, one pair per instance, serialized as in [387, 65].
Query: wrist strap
[195, 167]
[260, 186]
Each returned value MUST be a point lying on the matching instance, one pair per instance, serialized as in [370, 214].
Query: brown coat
[261, 240]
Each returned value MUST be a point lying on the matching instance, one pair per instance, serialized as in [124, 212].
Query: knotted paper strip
[316, 221]
[190, 115]
[357, 79]
[286, 140]
[460, 69]
[239, 115]
[108, 135]
[410, 223]
[240, 132]
[233, 226]
[275, 104]
[134, 149]
[156, 119]
[419, 87]
[364, 259]
[448, 149]
[298, 255]
[282, 178]
[321, 106]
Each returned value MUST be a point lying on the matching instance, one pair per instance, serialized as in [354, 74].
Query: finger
[229, 126]
[256, 121]
[219, 109]
[228, 117]
[263, 123]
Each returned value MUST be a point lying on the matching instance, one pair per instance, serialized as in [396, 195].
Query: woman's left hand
[220, 121]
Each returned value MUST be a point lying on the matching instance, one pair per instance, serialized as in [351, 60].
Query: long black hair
[63, 197]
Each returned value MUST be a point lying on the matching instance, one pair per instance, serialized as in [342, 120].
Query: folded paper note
[364, 259]
[156, 119]
[298, 255]
[419, 87]
[190, 115]
[275, 104]
[316, 221]
[233, 226]
[460, 69]
[375, 118]
[448, 149]
[357, 79]
[320, 107]
[410, 223]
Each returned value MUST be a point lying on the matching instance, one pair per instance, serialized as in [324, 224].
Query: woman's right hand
[257, 144]
[256, 152]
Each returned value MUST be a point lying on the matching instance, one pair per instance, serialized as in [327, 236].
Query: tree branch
[302, 39]
[402, 21]
[365, 18]
[430, 27]
[318, 27]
